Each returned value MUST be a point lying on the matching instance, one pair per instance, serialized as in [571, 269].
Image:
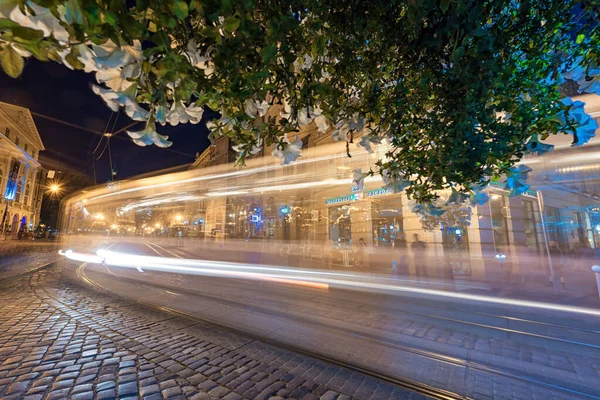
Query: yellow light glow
[99, 217]
[157, 225]
[113, 226]
[178, 218]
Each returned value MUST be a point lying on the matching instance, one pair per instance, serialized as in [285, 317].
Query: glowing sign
[284, 210]
[342, 199]
[378, 192]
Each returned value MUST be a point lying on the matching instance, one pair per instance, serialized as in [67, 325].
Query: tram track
[418, 387]
[427, 316]
[438, 357]
[31, 270]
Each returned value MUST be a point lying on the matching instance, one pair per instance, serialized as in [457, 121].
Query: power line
[59, 121]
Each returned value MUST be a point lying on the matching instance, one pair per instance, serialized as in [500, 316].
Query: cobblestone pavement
[18, 256]
[59, 340]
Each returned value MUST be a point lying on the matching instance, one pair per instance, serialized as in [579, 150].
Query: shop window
[386, 215]
[593, 229]
[340, 225]
[531, 221]
[499, 223]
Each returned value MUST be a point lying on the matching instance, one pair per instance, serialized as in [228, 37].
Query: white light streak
[315, 279]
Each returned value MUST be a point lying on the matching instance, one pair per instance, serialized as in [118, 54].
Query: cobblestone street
[60, 340]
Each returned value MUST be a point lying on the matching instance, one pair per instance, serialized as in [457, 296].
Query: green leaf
[196, 5]
[73, 59]
[142, 5]
[27, 33]
[12, 63]
[152, 27]
[444, 5]
[258, 75]
[226, 7]
[7, 24]
[161, 39]
[181, 10]
[231, 24]
[458, 53]
[54, 56]
[268, 53]
[580, 38]
[39, 52]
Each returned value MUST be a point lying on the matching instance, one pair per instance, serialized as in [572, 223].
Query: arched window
[27, 194]
[19, 189]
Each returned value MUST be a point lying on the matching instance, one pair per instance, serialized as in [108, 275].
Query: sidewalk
[59, 340]
[18, 256]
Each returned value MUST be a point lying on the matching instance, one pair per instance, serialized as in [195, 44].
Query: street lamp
[54, 188]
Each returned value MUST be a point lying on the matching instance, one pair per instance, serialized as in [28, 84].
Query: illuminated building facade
[21, 175]
[313, 201]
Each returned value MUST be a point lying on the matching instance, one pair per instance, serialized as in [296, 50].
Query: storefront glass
[531, 221]
[386, 215]
[554, 227]
[340, 225]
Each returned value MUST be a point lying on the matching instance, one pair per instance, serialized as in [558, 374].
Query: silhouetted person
[419, 249]
[360, 252]
[401, 247]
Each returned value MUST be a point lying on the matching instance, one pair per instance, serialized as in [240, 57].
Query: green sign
[377, 192]
[358, 196]
[342, 199]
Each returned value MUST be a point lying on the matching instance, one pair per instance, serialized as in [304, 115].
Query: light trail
[221, 175]
[313, 279]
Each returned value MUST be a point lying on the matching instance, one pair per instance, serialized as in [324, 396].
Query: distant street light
[54, 188]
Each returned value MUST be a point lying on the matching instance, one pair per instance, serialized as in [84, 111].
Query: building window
[19, 190]
[554, 227]
[7, 132]
[1, 182]
[27, 194]
[531, 221]
[25, 147]
[17, 140]
[33, 154]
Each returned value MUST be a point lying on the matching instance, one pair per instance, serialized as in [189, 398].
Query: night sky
[54, 90]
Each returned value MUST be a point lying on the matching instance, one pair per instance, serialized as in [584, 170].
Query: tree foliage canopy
[460, 89]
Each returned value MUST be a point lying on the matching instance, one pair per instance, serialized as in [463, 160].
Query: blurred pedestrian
[401, 247]
[361, 253]
[419, 248]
